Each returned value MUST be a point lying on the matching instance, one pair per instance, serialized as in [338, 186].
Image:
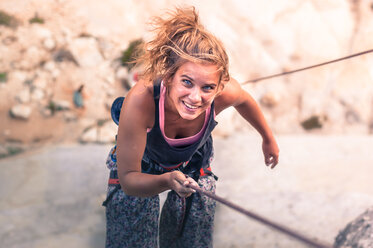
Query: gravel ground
[52, 197]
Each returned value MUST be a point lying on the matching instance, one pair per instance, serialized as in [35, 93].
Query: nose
[195, 95]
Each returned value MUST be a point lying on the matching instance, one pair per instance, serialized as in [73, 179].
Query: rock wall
[77, 43]
[358, 233]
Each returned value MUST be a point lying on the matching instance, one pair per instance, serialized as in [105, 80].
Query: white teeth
[190, 106]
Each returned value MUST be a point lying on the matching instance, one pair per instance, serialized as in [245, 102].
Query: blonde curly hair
[181, 38]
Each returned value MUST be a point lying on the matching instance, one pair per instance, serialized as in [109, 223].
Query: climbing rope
[265, 221]
[308, 67]
[300, 237]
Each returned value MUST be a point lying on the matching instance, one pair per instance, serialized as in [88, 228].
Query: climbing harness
[281, 228]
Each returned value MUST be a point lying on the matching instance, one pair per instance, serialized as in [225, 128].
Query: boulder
[49, 44]
[107, 132]
[270, 99]
[37, 95]
[62, 105]
[32, 58]
[3, 151]
[50, 67]
[70, 116]
[90, 135]
[85, 51]
[21, 111]
[102, 132]
[122, 73]
[40, 32]
[24, 96]
[358, 233]
[41, 80]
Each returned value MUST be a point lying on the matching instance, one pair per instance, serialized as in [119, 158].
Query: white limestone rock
[32, 58]
[122, 73]
[358, 233]
[107, 133]
[24, 96]
[85, 51]
[70, 116]
[40, 82]
[62, 105]
[37, 95]
[21, 111]
[40, 32]
[49, 44]
[90, 136]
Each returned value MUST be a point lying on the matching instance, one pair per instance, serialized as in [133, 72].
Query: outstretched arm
[234, 95]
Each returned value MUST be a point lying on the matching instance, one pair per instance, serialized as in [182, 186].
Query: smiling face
[192, 89]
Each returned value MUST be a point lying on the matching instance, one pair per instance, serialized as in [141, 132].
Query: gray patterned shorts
[136, 222]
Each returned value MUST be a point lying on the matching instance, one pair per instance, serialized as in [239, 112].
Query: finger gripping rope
[278, 227]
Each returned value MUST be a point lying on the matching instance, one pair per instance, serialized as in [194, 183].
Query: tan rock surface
[80, 42]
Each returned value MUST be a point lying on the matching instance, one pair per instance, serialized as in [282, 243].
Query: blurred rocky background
[62, 64]
[51, 49]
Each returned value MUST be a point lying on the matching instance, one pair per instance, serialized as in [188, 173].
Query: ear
[167, 82]
[220, 87]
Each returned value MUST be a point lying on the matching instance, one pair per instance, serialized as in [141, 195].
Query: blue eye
[208, 88]
[187, 82]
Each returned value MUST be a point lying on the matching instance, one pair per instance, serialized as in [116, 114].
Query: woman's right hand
[179, 183]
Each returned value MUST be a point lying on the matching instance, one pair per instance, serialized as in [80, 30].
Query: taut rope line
[267, 222]
[308, 67]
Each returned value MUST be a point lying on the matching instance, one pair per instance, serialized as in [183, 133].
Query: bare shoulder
[230, 96]
[139, 104]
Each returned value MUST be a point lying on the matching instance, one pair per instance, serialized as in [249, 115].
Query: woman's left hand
[271, 152]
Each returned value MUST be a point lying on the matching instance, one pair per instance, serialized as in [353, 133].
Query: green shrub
[131, 53]
[11, 151]
[52, 107]
[85, 35]
[101, 122]
[36, 19]
[3, 77]
[14, 151]
[7, 20]
[312, 123]
[28, 82]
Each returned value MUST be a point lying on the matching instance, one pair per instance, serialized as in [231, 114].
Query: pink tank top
[182, 141]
